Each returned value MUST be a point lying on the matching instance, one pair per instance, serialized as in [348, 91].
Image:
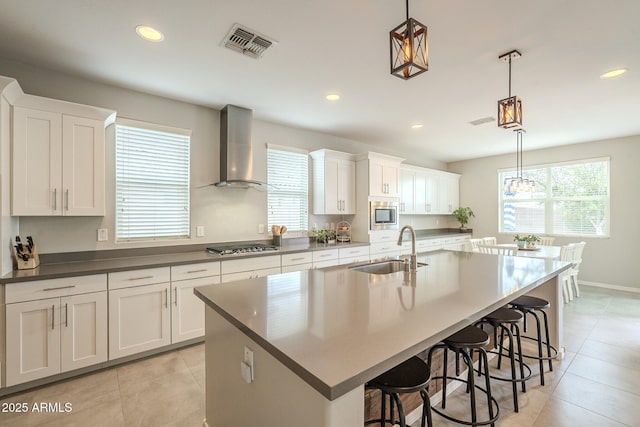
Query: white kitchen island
[318, 336]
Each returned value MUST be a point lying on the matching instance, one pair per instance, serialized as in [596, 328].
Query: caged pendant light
[409, 48]
[510, 109]
[517, 185]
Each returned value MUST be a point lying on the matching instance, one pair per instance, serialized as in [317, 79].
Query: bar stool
[463, 343]
[530, 305]
[410, 376]
[499, 319]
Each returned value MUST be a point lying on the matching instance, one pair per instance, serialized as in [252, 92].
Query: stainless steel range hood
[236, 156]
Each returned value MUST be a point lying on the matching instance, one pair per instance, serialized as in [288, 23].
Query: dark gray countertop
[99, 262]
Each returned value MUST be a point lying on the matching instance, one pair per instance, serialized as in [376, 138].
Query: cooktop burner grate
[241, 249]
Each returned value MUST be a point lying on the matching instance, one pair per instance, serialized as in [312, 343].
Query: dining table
[548, 252]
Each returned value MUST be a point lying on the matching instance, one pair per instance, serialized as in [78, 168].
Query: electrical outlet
[103, 235]
[261, 228]
[200, 231]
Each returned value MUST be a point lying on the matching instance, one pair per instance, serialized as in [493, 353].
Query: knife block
[32, 262]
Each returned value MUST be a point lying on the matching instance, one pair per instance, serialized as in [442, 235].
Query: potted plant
[463, 215]
[528, 241]
[532, 239]
[326, 236]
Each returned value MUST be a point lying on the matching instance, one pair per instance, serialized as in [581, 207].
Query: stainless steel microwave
[383, 215]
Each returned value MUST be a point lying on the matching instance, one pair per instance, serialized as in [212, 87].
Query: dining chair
[573, 272]
[546, 240]
[566, 254]
[473, 244]
[490, 241]
[498, 250]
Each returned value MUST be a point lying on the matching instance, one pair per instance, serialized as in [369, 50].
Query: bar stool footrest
[469, 423]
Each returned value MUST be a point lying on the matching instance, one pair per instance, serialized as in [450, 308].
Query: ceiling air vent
[248, 42]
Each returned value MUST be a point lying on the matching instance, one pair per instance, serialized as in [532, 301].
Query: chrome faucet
[413, 264]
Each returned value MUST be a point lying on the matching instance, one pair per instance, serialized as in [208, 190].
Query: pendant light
[518, 184]
[409, 48]
[510, 109]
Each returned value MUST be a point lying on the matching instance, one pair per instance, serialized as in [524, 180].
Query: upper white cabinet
[428, 191]
[58, 158]
[334, 182]
[383, 173]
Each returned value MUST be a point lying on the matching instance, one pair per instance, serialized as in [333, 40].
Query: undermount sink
[383, 267]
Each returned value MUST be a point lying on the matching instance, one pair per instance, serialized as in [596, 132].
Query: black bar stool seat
[500, 319]
[410, 376]
[464, 343]
[532, 305]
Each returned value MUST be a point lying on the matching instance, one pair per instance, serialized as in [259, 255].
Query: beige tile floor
[596, 384]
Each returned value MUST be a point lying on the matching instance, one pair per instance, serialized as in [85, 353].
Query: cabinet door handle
[175, 300]
[66, 200]
[196, 271]
[66, 315]
[58, 288]
[53, 315]
[55, 199]
[140, 278]
[166, 298]
[297, 259]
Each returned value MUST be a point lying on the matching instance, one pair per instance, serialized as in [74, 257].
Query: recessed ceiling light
[417, 126]
[332, 96]
[149, 33]
[613, 73]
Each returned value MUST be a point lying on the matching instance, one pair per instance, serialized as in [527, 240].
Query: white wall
[609, 260]
[226, 214]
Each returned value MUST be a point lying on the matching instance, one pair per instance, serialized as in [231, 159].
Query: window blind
[571, 198]
[152, 183]
[288, 197]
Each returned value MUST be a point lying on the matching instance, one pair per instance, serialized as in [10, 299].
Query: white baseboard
[609, 286]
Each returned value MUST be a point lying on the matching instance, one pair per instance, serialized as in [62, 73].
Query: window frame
[185, 183]
[549, 199]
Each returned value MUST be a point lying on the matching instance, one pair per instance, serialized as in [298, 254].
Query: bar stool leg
[383, 409]
[471, 387]
[512, 358]
[521, 357]
[546, 332]
[483, 355]
[444, 378]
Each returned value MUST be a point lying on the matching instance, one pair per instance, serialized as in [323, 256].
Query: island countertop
[337, 328]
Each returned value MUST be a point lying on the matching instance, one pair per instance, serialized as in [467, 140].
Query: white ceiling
[343, 45]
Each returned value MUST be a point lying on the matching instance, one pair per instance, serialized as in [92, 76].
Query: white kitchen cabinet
[139, 319]
[187, 310]
[58, 158]
[54, 326]
[407, 191]
[139, 311]
[250, 268]
[379, 173]
[326, 258]
[334, 183]
[350, 255]
[297, 261]
[448, 193]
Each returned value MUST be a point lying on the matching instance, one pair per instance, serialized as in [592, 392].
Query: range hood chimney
[236, 157]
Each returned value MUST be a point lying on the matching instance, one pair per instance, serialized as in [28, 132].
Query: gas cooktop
[241, 249]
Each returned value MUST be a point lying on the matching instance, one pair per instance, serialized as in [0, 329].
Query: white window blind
[571, 199]
[288, 198]
[152, 183]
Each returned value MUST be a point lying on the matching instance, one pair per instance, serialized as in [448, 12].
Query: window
[571, 199]
[152, 181]
[288, 179]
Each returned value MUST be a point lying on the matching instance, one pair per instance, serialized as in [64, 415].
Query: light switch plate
[200, 231]
[103, 234]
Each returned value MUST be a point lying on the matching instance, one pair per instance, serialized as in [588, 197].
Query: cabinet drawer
[325, 255]
[250, 264]
[194, 271]
[358, 252]
[145, 276]
[41, 289]
[297, 258]
[377, 248]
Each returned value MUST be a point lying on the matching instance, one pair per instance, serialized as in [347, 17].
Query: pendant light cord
[407, 8]
[509, 69]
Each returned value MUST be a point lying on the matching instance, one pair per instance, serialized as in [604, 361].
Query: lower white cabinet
[58, 334]
[298, 261]
[187, 310]
[250, 268]
[325, 258]
[139, 319]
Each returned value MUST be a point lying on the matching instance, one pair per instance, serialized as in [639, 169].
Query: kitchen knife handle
[55, 199]
[53, 314]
